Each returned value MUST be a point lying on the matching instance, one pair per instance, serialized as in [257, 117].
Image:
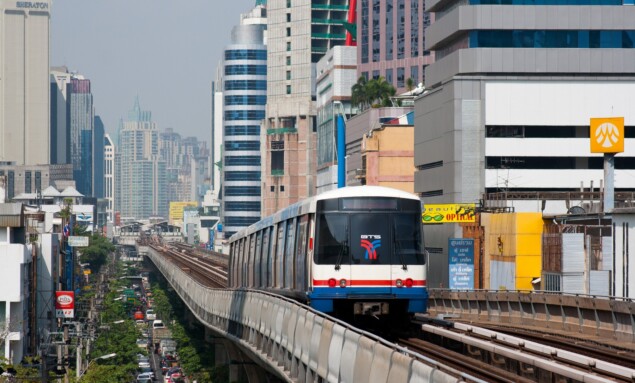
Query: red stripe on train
[368, 282]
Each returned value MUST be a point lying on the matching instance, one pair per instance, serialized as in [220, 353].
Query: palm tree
[375, 93]
[359, 93]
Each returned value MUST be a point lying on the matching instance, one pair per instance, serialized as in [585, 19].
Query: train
[352, 251]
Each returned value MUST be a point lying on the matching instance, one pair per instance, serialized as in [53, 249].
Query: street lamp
[107, 356]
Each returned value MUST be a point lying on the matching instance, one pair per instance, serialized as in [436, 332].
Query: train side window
[266, 256]
[289, 254]
[258, 259]
[331, 239]
[300, 254]
[280, 255]
[241, 262]
[274, 247]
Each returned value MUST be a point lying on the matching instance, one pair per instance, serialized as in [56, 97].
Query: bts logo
[371, 243]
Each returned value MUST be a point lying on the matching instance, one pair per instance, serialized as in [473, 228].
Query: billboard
[64, 304]
[607, 135]
[448, 213]
[176, 210]
[77, 241]
[461, 263]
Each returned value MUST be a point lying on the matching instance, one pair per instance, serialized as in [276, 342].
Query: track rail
[205, 270]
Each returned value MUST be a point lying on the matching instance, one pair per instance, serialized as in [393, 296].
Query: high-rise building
[24, 82]
[244, 100]
[82, 118]
[142, 191]
[98, 158]
[300, 33]
[215, 158]
[391, 41]
[109, 176]
[513, 89]
[60, 120]
[336, 74]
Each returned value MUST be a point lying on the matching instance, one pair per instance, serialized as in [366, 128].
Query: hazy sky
[164, 51]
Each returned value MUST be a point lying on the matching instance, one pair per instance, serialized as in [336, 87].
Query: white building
[24, 82]
[15, 275]
[109, 176]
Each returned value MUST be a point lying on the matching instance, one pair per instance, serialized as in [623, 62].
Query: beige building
[388, 157]
[24, 82]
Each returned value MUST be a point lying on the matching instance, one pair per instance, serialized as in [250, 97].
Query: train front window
[332, 239]
[370, 239]
[407, 241]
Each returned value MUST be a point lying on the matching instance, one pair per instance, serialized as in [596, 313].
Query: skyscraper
[98, 158]
[109, 176]
[24, 82]
[82, 118]
[300, 32]
[142, 191]
[60, 120]
[391, 41]
[244, 100]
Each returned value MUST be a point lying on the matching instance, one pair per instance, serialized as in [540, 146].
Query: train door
[280, 255]
[300, 253]
[289, 254]
[371, 252]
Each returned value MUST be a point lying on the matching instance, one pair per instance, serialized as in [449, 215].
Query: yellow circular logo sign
[607, 135]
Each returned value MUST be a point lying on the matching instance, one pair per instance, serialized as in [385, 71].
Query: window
[272, 188]
[375, 74]
[552, 39]
[245, 69]
[288, 17]
[401, 77]
[288, 60]
[246, 85]
[288, 75]
[414, 29]
[242, 176]
[277, 163]
[280, 255]
[407, 240]
[389, 33]
[365, 39]
[242, 206]
[27, 182]
[401, 29]
[301, 253]
[288, 89]
[246, 100]
[242, 115]
[246, 54]
[288, 46]
[414, 74]
[238, 160]
[376, 30]
[288, 3]
[332, 239]
[252, 191]
[288, 32]
[281, 188]
[242, 145]
[242, 130]
[389, 76]
[289, 254]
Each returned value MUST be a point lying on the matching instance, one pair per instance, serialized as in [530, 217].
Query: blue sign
[461, 263]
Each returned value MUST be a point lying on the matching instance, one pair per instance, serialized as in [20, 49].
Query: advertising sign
[607, 135]
[448, 213]
[77, 241]
[64, 304]
[177, 208]
[461, 263]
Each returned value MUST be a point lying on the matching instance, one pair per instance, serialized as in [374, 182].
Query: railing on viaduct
[295, 342]
[600, 316]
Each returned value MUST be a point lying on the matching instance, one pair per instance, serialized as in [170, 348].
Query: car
[144, 365]
[150, 314]
[142, 343]
[140, 322]
[158, 324]
[142, 358]
[147, 371]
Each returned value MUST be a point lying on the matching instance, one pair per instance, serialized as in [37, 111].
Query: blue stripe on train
[322, 297]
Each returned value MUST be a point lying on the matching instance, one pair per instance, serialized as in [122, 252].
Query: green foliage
[372, 93]
[108, 373]
[97, 252]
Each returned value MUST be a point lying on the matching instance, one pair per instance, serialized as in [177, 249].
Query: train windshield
[369, 238]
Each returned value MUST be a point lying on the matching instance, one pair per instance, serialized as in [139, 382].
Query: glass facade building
[244, 100]
[81, 134]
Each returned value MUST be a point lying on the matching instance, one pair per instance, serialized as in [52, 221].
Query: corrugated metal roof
[11, 215]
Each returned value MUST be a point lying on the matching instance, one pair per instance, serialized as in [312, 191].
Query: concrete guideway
[297, 343]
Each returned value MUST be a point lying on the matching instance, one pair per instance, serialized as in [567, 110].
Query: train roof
[308, 204]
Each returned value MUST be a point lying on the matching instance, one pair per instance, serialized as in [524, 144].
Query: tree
[410, 84]
[375, 93]
[97, 252]
[359, 95]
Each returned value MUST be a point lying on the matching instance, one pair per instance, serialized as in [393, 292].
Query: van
[158, 324]
[150, 315]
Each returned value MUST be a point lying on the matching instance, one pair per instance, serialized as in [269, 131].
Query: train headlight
[399, 283]
[409, 282]
[332, 282]
[342, 282]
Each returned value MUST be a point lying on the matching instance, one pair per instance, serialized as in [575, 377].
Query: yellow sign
[176, 210]
[607, 135]
[449, 213]
[87, 272]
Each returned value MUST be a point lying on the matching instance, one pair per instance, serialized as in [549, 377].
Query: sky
[164, 51]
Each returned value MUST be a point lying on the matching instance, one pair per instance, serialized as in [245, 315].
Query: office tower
[244, 100]
[300, 33]
[143, 191]
[336, 74]
[183, 170]
[81, 115]
[98, 158]
[60, 121]
[215, 158]
[513, 89]
[109, 175]
[24, 82]
[391, 41]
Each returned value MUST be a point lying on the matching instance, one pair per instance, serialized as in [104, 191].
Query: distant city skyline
[163, 52]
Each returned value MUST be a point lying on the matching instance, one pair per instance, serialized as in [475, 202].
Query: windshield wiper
[340, 256]
[398, 249]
